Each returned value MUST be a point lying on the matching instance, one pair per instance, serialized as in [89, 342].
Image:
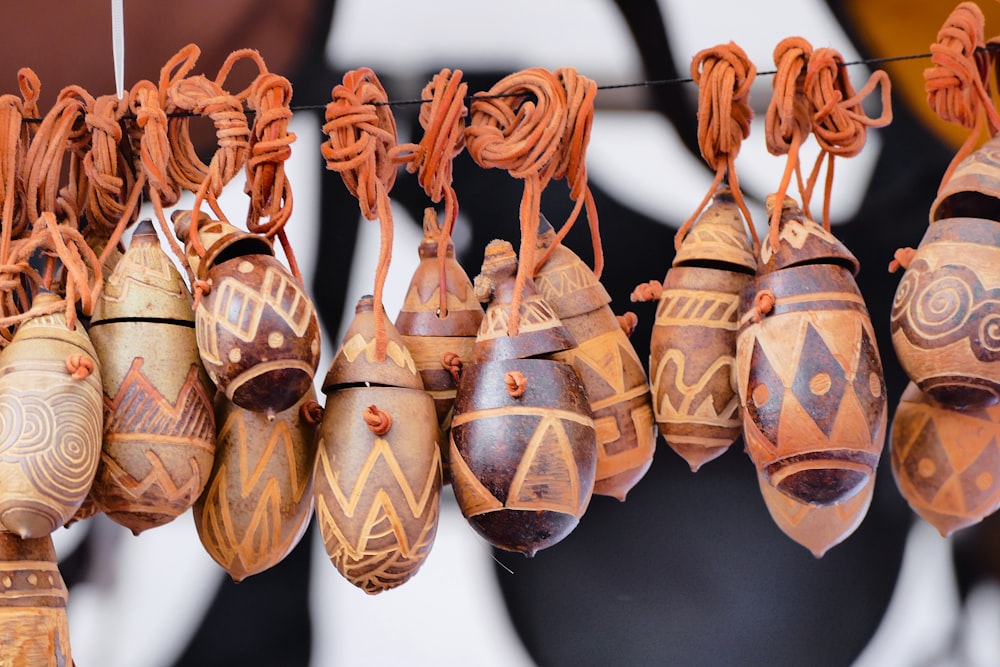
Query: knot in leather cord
[378, 420]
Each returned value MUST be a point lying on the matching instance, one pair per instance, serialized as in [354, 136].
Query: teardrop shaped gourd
[818, 528]
[33, 621]
[257, 330]
[945, 318]
[159, 426]
[692, 348]
[808, 369]
[377, 479]
[946, 462]
[259, 497]
[605, 360]
[439, 333]
[50, 421]
[523, 444]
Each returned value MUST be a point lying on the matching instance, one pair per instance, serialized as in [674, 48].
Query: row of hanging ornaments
[123, 391]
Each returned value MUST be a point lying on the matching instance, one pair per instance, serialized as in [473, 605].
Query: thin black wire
[613, 86]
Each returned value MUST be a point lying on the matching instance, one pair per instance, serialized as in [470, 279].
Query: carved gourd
[257, 330]
[808, 369]
[945, 319]
[259, 497]
[946, 462]
[605, 360]
[159, 428]
[523, 443]
[817, 527]
[50, 421]
[439, 339]
[692, 348]
[377, 480]
[33, 622]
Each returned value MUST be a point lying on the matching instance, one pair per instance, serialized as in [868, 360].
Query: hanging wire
[613, 86]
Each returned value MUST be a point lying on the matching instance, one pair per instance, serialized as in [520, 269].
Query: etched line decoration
[933, 310]
[55, 436]
[373, 549]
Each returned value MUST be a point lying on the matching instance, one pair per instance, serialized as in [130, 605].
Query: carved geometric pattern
[947, 462]
[934, 309]
[536, 315]
[547, 477]
[869, 384]
[796, 233]
[570, 278]
[238, 308]
[803, 393]
[694, 403]
[53, 437]
[689, 307]
[601, 362]
[156, 489]
[145, 268]
[820, 381]
[139, 408]
[357, 345]
[456, 298]
[247, 545]
[765, 389]
[379, 569]
[365, 533]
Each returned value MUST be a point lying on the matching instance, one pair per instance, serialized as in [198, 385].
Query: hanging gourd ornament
[439, 332]
[808, 369]
[377, 479]
[816, 527]
[945, 317]
[523, 445]
[612, 372]
[257, 331]
[946, 462]
[692, 349]
[159, 429]
[50, 421]
[259, 497]
[33, 622]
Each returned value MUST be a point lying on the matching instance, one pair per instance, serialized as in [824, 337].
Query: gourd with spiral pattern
[33, 622]
[259, 497]
[159, 428]
[692, 348]
[377, 479]
[50, 421]
[439, 339]
[946, 462]
[523, 443]
[256, 327]
[604, 358]
[945, 317]
[808, 369]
